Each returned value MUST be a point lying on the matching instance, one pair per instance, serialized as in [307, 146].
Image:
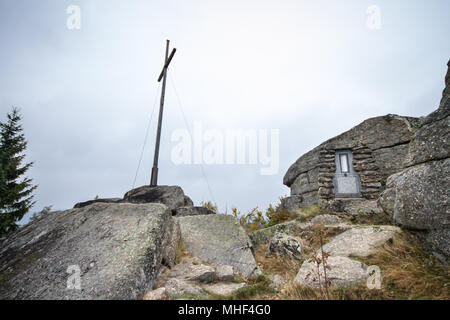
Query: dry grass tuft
[276, 265]
[180, 253]
[407, 273]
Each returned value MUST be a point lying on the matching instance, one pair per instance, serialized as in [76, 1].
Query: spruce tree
[16, 196]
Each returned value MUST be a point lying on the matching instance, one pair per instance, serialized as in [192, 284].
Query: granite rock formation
[378, 146]
[418, 197]
[115, 249]
[219, 239]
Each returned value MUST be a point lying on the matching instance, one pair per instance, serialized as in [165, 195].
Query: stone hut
[348, 173]
[392, 164]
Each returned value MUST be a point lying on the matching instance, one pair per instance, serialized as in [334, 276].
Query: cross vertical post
[163, 75]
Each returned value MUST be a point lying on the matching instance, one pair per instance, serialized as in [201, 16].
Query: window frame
[344, 154]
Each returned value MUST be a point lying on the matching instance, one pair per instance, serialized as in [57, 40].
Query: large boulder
[114, 250]
[171, 196]
[386, 201]
[432, 141]
[422, 196]
[342, 272]
[360, 242]
[375, 133]
[219, 239]
[418, 197]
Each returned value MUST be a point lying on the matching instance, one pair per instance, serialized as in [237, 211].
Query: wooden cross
[163, 75]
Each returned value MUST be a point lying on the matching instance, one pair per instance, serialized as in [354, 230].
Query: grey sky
[312, 69]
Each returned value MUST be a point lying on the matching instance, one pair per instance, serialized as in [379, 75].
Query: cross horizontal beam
[167, 64]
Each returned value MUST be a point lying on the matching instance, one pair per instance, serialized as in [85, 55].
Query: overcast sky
[311, 69]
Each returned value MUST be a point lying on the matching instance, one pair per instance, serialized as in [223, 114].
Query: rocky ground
[154, 244]
[120, 248]
[290, 264]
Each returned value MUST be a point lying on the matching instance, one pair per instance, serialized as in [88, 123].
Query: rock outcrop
[100, 251]
[378, 146]
[171, 196]
[418, 197]
[194, 278]
[118, 249]
[219, 239]
[343, 272]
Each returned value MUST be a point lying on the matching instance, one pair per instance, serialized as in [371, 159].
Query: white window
[343, 159]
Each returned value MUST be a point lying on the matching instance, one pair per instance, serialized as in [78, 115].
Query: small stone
[292, 203]
[176, 287]
[171, 196]
[193, 270]
[201, 273]
[225, 273]
[285, 245]
[224, 289]
[157, 294]
[277, 282]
